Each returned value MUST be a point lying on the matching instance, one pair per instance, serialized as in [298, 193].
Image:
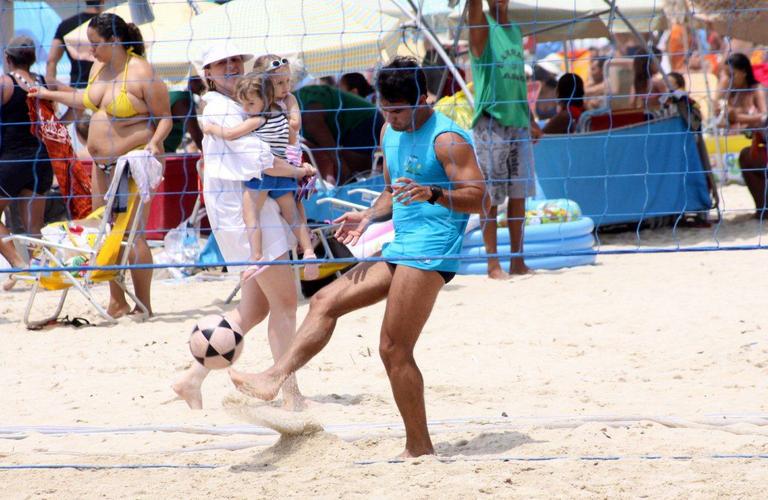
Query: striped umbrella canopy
[329, 36]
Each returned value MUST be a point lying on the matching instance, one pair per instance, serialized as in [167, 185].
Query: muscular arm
[382, 208]
[54, 56]
[231, 133]
[478, 27]
[467, 191]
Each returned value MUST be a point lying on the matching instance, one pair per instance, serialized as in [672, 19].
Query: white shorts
[224, 206]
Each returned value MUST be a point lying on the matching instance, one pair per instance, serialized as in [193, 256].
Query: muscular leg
[490, 228]
[279, 287]
[252, 310]
[409, 304]
[516, 225]
[362, 286]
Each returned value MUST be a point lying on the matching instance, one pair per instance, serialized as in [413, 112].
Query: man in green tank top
[341, 129]
[503, 127]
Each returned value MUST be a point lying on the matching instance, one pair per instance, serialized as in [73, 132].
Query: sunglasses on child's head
[278, 62]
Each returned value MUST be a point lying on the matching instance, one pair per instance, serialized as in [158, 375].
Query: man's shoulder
[71, 23]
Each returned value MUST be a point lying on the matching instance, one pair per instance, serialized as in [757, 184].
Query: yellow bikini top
[121, 106]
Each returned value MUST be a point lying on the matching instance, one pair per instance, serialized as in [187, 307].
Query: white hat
[551, 65]
[222, 50]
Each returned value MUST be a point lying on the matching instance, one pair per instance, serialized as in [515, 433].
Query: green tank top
[173, 141]
[343, 111]
[499, 75]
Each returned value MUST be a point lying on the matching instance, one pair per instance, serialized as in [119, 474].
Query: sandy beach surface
[642, 376]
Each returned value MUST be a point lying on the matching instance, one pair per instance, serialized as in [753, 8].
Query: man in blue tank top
[432, 183]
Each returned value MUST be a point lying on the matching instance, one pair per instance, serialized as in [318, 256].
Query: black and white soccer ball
[216, 342]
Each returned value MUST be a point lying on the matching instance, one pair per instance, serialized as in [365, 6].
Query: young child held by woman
[269, 123]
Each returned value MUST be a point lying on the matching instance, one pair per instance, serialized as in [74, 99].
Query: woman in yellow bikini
[130, 111]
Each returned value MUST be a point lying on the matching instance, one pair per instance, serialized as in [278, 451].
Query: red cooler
[175, 197]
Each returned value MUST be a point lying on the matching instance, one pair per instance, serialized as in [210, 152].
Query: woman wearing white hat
[273, 291]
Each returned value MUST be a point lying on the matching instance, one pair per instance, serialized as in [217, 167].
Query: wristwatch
[437, 192]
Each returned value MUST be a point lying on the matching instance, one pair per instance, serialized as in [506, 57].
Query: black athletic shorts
[446, 275]
[16, 176]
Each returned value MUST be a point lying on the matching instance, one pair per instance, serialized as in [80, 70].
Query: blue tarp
[625, 175]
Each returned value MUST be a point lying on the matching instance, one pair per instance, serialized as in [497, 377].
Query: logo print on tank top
[413, 165]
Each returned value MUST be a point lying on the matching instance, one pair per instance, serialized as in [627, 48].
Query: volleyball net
[665, 128]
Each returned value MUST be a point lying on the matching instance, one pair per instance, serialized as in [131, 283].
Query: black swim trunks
[446, 275]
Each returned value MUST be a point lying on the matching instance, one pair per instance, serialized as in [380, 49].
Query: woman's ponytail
[134, 40]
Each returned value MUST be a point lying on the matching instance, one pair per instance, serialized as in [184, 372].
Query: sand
[642, 376]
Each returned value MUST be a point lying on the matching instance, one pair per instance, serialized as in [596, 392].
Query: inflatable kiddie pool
[556, 236]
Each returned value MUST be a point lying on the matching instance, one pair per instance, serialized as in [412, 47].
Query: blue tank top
[422, 229]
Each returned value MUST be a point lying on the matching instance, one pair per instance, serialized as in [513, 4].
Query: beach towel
[145, 170]
[73, 177]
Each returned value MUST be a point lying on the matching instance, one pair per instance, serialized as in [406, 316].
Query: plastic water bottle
[190, 248]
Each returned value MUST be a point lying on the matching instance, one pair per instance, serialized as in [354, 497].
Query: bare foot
[413, 454]
[189, 392]
[498, 274]
[118, 310]
[517, 266]
[259, 385]
[137, 310]
[311, 271]
[9, 283]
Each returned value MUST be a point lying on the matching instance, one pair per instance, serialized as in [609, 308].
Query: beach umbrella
[38, 21]
[166, 15]
[329, 36]
[742, 19]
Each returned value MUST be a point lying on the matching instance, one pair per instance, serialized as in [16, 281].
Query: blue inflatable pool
[547, 246]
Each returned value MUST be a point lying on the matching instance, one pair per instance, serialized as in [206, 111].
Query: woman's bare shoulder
[140, 67]
[6, 87]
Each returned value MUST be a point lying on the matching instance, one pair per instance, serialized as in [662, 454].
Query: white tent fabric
[168, 16]
[329, 36]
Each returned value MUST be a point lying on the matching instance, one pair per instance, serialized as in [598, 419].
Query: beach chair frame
[83, 284]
